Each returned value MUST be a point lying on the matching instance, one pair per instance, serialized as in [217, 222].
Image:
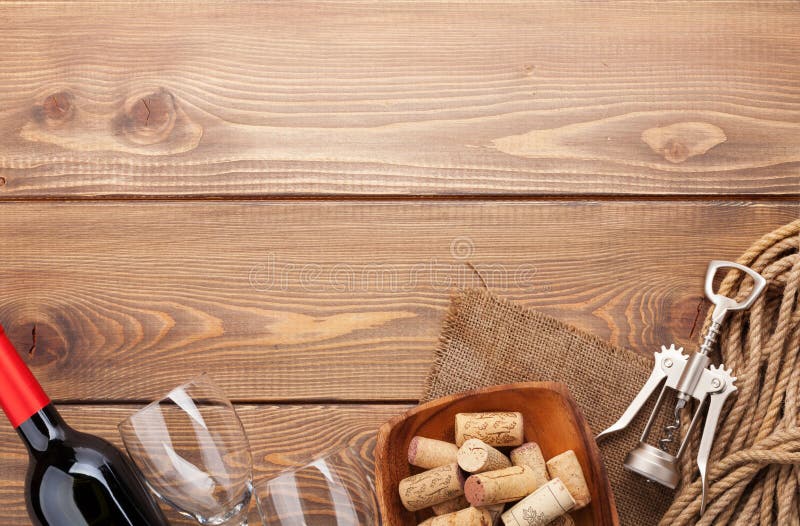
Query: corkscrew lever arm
[715, 405]
[656, 377]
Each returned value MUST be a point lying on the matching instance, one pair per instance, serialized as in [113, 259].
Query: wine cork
[465, 517]
[530, 454]
[476, 456]
[496, 487]
[496, 429]
[426, 522]
[431, 487]
[449, 506]
[566, 467]
[546, 504]
[429, 453]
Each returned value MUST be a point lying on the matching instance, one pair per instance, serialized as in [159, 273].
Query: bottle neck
[41, 429]
[21, 396]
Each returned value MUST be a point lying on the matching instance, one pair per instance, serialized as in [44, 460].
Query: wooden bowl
[552, 419]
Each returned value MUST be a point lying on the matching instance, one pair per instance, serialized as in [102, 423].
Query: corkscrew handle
[724, 303]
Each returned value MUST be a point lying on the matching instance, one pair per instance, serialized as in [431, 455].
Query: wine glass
[335, 490]
[194, 454]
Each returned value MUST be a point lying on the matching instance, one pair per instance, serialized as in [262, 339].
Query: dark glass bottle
[74, 479]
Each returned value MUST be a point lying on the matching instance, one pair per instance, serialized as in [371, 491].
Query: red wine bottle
[74, 479]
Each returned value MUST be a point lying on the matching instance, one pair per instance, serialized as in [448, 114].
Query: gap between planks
[344, 198]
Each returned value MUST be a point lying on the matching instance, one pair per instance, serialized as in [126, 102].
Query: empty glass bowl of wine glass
[194, 454]
[335, 490]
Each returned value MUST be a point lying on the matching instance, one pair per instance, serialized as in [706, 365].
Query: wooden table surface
[285, 194]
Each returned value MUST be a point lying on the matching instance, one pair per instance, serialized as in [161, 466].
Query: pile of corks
[469, 483]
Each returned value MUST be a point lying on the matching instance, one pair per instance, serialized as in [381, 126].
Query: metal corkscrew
[689, 377]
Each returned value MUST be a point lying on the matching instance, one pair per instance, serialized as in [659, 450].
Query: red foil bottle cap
[20, 394]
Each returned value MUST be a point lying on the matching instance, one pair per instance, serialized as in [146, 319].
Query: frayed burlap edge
[449, 326]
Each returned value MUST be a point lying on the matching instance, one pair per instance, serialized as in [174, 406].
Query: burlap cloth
[487, 340]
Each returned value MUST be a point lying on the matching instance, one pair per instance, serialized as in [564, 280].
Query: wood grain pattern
[264, 99]
[118, 299]
[335, 300]
[281, 437]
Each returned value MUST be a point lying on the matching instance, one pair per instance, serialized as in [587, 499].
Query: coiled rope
[754, 469]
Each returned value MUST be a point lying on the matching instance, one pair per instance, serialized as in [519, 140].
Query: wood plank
[335, 300]
[402, 98]
[281, 437]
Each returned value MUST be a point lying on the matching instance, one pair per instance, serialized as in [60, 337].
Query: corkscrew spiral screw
[668, 436]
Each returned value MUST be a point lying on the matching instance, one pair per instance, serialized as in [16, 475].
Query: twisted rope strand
[748, 513]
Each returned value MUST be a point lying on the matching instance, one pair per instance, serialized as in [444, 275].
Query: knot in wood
[56, 109]
[148, 118]
[683, 140]
[675, 151]
[39, 342]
